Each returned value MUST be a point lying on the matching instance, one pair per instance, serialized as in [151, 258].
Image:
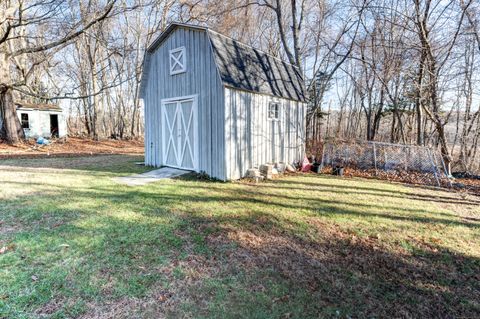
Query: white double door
[179, 132]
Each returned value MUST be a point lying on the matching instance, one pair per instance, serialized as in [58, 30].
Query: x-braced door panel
[179, 128]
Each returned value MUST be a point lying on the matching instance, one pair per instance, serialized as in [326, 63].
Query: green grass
[78, 244]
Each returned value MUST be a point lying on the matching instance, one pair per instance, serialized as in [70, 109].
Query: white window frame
[277, 113]
[180, 61]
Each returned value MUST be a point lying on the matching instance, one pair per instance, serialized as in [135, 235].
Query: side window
[24, 120]
[178, 61]
[274, 111]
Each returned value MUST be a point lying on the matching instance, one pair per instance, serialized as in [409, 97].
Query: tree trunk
[418, 99]
[447, 159]
[11, 129]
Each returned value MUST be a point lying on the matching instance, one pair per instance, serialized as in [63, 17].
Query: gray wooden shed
[216, 105]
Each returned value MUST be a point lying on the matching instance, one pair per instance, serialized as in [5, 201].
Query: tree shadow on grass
[360, 278]
[205, 194]
[356, 189]
[315, 205]
[263, 268]
[191, 248]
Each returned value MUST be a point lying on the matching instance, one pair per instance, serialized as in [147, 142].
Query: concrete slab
[152, 176]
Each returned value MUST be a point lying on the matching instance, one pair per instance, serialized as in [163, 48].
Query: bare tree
[19, 23]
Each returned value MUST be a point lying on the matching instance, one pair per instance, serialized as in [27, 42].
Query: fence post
[434, 167]
[407, 150]
[385, 157]
[332, 151]
[375, 157]
[323, 156]
[346, 155]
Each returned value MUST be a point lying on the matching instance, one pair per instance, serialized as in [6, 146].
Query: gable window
[274, 111]
[178, 61]
[24, 120]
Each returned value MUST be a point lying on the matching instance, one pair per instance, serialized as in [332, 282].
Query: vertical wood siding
[201, 78]
[251, 139]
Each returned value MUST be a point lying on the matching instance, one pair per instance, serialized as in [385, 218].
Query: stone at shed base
[266, 171]
[253, 172]
[290, 168]
[281, 167]
[258, 179]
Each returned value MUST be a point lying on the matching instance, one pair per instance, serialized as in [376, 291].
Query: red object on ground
[306, 166]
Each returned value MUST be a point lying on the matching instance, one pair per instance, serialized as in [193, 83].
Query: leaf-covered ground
[75, 244]
[70, 147]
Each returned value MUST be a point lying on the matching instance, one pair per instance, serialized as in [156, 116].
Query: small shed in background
[216, 105]
[45, 120]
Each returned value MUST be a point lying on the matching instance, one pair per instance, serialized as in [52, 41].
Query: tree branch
[66, 39]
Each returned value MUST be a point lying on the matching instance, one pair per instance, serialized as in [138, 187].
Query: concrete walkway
[152, 176]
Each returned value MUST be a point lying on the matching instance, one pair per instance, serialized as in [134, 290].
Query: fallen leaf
[281, 299]
[164, 296]
[9, 247]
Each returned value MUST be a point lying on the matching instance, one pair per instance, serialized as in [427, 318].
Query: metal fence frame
[387, 157]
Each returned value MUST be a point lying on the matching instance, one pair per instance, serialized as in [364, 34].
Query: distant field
[74, 244]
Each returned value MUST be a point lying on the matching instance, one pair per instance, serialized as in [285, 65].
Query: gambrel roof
[243, 67]
[246, 68]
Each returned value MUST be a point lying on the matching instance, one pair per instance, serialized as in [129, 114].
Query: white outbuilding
[41, 120]
[219, 106]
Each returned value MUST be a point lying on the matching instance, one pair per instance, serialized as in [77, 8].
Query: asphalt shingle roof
[246, 68]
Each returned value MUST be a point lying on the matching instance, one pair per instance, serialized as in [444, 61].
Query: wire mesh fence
[397, 161]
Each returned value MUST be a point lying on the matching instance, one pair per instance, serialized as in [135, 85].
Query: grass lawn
[75, 244]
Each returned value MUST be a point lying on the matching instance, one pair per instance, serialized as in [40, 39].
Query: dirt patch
[70, 147]
[50, 307]
[151, 307]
